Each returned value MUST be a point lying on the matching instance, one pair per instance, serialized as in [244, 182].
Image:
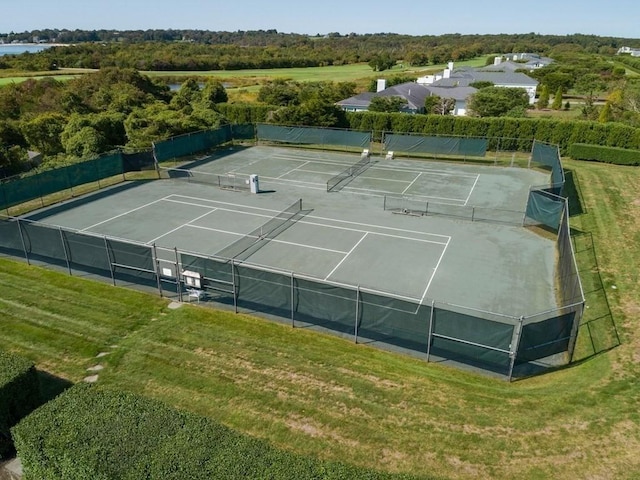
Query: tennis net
[408, 205]
[336, 183]
[253, 241]
[228, 181]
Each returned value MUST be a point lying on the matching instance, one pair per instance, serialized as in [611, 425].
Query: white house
[464, 77]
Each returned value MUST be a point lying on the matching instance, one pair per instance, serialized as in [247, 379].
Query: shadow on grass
[573, 193]
[51, 386]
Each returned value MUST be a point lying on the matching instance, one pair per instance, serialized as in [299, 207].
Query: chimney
[450, 66]
[382, 85]
[446, 73]
[497, 60]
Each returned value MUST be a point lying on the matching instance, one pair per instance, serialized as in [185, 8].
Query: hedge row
[241, 113]
[19, 395]
[511, 133]
[91, 432]
[598, 153]
[504, 133]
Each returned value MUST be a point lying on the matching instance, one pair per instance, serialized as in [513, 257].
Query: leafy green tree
[326, 91]
[480, 84]
[543, 98]
[189, 93]
[85, 143]
[557, 100]
[439, 106]
[314, 112]
[279, 92]
[212, 93]
[590, 85]
[497, 101]
[381, 61]
[605, 115]
[43, 133]
[387, 104]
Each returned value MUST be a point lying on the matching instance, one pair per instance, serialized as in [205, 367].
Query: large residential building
[452, 83]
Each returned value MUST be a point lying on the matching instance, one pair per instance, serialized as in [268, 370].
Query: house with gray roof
[414, 93]
[464, 77]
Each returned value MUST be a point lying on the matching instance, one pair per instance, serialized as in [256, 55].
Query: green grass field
[341, 73]
[326, 397]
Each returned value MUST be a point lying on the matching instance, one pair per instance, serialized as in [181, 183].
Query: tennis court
[344, 237]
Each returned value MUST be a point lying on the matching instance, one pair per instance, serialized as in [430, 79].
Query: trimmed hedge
[92, 432]
[241, 113]
[598, 153]
[19, 395]
[504, 133]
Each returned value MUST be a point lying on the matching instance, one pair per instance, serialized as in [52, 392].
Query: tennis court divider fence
[411, 205]
[227, 181]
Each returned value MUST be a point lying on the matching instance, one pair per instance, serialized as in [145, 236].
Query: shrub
[19, 395]
[89, 432]
[598, 153]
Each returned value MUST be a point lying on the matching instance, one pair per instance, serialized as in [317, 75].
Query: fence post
[156, 264]
[514, 348]
[24, 245]
[293, 322]
[64, 249]
[178, 286]
[233, 285]
[574, 332]
[106, 247]
[355, 331]
[430, 330]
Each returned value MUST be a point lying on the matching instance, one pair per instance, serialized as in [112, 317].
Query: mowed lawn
[326, 397]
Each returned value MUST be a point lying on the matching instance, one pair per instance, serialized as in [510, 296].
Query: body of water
[18, 48]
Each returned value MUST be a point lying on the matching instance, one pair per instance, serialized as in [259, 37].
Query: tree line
[193, 50]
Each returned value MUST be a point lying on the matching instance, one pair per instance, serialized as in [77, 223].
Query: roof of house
[464, 77]
[414, 93]
[362, 100]
[455, 92]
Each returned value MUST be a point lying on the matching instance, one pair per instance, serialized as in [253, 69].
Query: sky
[616, 18]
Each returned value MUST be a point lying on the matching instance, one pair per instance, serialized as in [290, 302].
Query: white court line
[275, 240]
[312, 159]
[306, 222]
[435, 269]
[321, 173]
[123, 214]
[293, 169]
[347, 255]
[386, 192]
[428, 171]
[411, 184]
[472, 187]
[181, 226]
[382, 227]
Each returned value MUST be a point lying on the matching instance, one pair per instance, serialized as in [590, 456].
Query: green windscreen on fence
[10, 240]
[31, 187]
[313, 136]
[471, 338]
[245, 131]
[475, 147]
[87, 253]
[191, 143]
[545, 208]
[548, 337]
[548, 155]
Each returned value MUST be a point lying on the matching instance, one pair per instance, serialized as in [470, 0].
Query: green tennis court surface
[343, 237]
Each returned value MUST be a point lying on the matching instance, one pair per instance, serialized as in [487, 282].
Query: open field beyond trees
[326, 397]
